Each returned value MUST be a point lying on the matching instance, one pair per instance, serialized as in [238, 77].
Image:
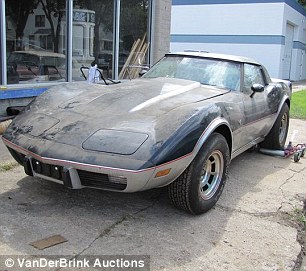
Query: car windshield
[215, 72]
[53, 61]
[24, 59]
[31, 59]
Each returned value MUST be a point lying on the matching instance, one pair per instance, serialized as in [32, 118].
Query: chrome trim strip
[78, 165]
[247, 146]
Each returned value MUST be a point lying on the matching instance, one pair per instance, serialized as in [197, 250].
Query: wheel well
[288, 102]
[225, 131]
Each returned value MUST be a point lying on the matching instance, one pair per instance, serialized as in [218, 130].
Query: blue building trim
[238, 39]
[291, 3]
[299, 45]
[216, 2]
[21, 93]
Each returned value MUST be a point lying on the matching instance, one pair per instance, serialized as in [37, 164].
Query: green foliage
[19, 12]
[302, 2]
[298, 105]
[300, 217]
[54, 9]
[8, 166]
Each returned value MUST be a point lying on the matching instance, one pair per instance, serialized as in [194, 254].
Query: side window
[252, 75]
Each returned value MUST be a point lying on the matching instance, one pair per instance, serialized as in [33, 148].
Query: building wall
[298, 21]
[255, 29]
[161, 29]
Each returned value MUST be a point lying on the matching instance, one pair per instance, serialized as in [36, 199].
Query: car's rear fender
[284, 100]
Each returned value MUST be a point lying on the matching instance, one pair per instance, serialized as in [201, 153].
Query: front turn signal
[162, 173]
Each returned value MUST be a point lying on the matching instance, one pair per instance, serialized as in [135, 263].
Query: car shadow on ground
[144, 223]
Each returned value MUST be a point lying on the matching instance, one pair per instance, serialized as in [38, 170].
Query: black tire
[276, 138]
[196, 191]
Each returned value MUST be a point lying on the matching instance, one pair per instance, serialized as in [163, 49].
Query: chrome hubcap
[283, 128]
[211, 175]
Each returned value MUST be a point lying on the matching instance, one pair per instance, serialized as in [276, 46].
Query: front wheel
[199, 187]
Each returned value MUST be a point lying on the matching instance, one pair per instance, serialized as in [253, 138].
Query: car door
[256, 110]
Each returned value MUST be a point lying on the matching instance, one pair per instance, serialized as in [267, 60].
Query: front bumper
[76, 175]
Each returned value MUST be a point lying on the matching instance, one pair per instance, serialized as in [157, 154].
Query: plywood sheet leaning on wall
[4, 125]
[135, 60]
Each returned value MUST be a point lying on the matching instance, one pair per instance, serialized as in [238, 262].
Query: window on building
[108, 45]
[46, 42]
[133, 37]
[33, 54]
[31, 41]
[92, 29]
[78, 41]
[41, 32]
[39, 20]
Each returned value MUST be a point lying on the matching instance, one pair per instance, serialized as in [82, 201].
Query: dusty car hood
[98, 118]
[143, 96]
[133, 106]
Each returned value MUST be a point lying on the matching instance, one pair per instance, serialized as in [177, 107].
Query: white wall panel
[242, 19]
[268, 55]
[256, 30]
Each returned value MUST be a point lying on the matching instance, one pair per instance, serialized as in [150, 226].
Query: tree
[133, 21]
[54, 11]
[19, 12]
[302, 2]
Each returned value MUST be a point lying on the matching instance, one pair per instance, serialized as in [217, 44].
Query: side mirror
[142, 72]
[257, 88]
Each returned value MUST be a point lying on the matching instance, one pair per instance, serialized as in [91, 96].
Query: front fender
[191, 136]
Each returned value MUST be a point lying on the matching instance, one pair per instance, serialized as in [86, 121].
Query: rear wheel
[276, 138]
[200, 185]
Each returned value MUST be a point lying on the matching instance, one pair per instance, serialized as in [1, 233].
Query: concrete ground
[298, 85]
[253, 226]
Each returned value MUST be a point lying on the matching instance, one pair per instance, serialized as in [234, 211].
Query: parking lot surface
[254, 225]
